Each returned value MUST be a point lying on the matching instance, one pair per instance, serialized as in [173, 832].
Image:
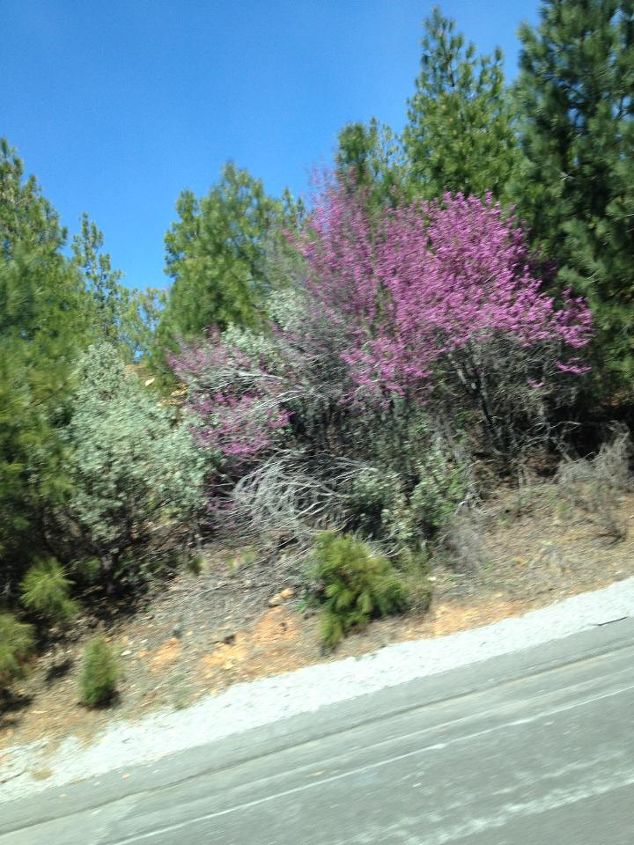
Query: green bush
[16, 642]
[43, 324]
[45, 591]
[376, 495]
[136, 473]
[380, 508]
[99, 674]
[354, 586]
[441, 488]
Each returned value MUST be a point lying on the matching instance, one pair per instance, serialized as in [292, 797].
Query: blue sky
[117, 106]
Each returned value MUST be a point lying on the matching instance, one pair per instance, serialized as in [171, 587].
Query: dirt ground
[208, 631]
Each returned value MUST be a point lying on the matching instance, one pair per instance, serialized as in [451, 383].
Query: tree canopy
[215, 255]
[576, 189]
[459, 135]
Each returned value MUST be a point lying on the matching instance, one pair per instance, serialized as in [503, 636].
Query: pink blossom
[236, 399]
[425, 281]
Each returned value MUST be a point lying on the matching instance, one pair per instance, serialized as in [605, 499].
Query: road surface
[535, 747]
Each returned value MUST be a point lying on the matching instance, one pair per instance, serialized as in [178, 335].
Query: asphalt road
[536, 747]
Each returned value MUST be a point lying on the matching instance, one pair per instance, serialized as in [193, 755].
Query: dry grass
[596, 487]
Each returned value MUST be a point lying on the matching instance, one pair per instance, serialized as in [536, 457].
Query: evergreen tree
[27, 219]
[122, 316]
[459, 135]
[577, 186]
[371, 157]
[216, 255]
[143, 310]
[42, 325]
[102, 283]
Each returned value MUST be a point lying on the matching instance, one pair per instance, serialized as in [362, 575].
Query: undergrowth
[99, 674]
[354, 585]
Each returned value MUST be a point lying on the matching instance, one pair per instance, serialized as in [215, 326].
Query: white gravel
[249, 705]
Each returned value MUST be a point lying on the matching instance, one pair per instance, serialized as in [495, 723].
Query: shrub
[234, 391]
[45, 591]
[99, 674]
[375, 499]
[462, 541]
[408, 324]
[354, 586]
[441, 488]
[137, 474]
[438, 303]
[381, 507]
[596, 485]
[16, 642]
[414, 568]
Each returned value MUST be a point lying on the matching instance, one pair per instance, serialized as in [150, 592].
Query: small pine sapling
[99, 674]
[355, 586]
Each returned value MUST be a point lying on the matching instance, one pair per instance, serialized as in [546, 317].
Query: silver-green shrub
[136, 473]
[381, 508]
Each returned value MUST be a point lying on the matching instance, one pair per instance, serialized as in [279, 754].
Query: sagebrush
[137, 475]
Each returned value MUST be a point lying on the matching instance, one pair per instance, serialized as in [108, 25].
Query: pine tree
[577, 187]
[125, 317]
[42, 325]
[27, 219]
[371, 157]
[459, 135]
[107, 295]
[216, 256]
[141, 317]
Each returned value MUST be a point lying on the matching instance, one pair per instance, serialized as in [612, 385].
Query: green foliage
[136, 473]
[141, 316]
[412, 487]
[441, 488]
[95, 469]
[376, 494]
[356, 586]
[119, 315]
[16, 642]
[371, 158]
[381, 509]
[413, 567]
[101, 281]
[576, 189]
[43, 324]
[27, 219]
[459, 135]
[45, 589]
[216, 257]
[99, 674]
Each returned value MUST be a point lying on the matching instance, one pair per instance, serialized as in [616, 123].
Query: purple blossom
[236, 399]
[427, 280]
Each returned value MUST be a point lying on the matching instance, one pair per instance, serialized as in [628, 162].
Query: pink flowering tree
[238, 401]
[438, 303]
